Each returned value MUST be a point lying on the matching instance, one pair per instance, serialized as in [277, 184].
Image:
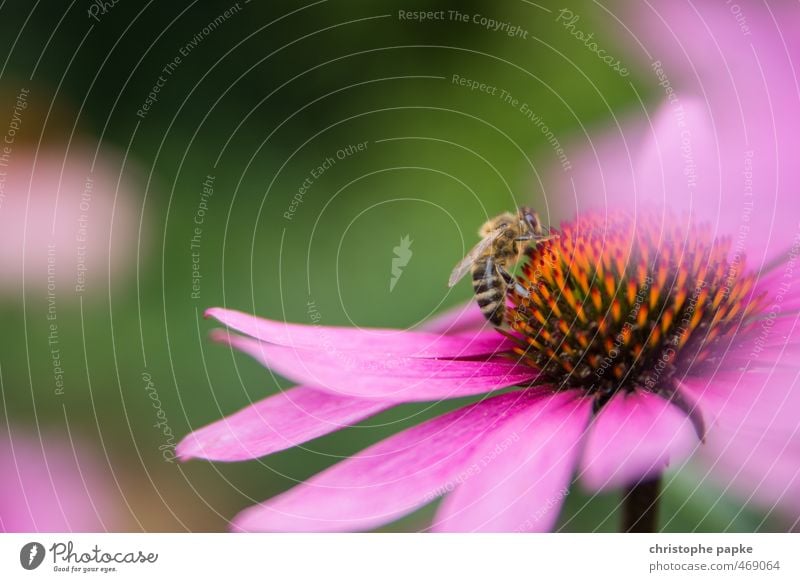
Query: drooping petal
[278, 422]
[518, 479]
[635, 436]
[377, 342]
[391, 478]
[758, 398]
[396, 379]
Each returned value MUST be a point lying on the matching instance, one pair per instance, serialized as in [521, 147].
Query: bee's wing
[463, 267]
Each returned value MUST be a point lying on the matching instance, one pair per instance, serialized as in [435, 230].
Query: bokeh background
[123, 217]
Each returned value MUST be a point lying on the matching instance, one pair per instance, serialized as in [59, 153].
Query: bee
[503, 240]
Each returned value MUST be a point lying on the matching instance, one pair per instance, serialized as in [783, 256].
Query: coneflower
[631, 342]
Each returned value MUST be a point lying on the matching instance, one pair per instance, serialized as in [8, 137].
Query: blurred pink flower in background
[725, 148]
[65, 218]
[51, 485]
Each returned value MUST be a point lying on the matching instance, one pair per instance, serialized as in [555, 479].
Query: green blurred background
[258, 103]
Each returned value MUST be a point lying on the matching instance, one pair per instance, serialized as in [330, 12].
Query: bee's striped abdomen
[490, 291]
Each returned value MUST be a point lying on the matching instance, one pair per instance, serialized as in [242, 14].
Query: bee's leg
[511, 281]
[536, 237]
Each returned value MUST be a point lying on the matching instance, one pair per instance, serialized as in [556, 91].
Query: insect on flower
[504, 238]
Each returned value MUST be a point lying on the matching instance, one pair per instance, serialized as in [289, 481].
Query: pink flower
[50, 485]
[637, 339]
[68, 221]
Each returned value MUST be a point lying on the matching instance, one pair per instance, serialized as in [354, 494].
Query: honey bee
[503, 240]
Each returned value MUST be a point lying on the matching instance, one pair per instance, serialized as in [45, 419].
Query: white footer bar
[400, 557]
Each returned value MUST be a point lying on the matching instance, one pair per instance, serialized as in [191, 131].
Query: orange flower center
[620, 302]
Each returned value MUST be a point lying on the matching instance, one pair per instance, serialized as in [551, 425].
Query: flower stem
[640, 507]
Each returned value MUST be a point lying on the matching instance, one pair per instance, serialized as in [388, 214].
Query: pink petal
[676, 168]
[391, 478]
[665, 177]
[384, 343]
[635, 436]
[759, 398]
[603, 173]
[276, 423]
[518, 479]
[755, 383]
[704, 42]
[672, 161]
[399, 379]
[780, 286]
[773, 339]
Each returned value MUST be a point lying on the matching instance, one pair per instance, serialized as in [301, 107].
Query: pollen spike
[610, 284]
[735, 308]
[597, 300]
[666, 320]
[551, 303]
[654, 295]
[539, 317]
[631, 291]
[678, 300]
[655, 337]
[616, 310]
[641, 318]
